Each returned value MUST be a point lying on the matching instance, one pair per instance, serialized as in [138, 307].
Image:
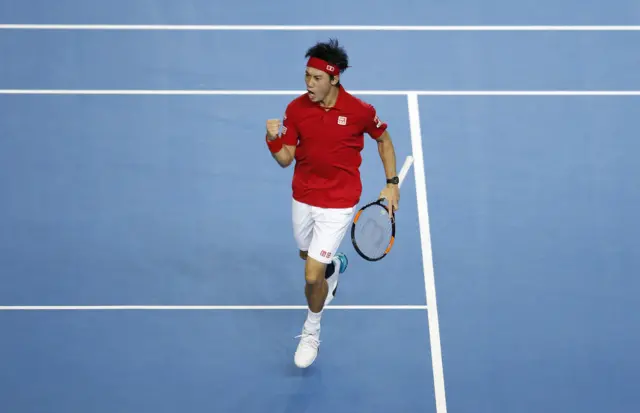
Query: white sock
[312, 322]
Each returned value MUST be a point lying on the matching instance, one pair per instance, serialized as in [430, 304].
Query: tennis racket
[373, 230]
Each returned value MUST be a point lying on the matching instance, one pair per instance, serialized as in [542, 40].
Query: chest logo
[342, 120]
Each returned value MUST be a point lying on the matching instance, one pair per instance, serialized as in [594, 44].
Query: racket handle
[405, 169]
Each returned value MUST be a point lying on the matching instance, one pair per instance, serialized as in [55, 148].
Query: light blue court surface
[174, 200]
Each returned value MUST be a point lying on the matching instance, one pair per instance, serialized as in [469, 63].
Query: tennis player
[323, 131]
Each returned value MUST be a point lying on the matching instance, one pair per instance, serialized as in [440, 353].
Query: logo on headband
[331, 68]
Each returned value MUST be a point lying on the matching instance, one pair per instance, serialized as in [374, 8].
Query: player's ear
[334, 80]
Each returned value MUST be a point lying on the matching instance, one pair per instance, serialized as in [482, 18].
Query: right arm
[283, 153]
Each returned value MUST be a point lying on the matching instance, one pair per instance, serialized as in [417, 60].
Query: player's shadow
[309, 388]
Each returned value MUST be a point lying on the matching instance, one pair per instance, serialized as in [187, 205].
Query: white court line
[201, 307]
[242, 27]
[299, 92]
[427, 258]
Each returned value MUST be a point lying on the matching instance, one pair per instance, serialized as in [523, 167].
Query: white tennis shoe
[307, 350]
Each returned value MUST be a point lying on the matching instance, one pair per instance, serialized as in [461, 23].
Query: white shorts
[319, 231]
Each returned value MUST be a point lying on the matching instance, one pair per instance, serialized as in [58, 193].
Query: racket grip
[405, 169]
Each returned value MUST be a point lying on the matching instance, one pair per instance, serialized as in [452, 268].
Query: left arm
[391, 191]
[378, 131]
[387, 154]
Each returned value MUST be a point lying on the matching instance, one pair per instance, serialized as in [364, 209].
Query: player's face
[318, 84]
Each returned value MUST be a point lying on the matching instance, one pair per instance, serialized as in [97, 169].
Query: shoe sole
[304, 366]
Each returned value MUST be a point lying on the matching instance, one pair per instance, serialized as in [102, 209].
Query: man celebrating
[323, 131]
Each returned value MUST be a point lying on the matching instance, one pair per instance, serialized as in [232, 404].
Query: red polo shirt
[329, 142]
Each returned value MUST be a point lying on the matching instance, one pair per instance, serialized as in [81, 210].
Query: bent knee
[313, 277]
[314, 271]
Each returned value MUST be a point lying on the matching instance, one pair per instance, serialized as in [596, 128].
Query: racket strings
[373, 232]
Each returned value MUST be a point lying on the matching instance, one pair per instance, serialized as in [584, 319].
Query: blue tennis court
[147, 261]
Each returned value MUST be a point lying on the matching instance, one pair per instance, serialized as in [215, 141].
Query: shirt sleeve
[374, 126]
[289, 133]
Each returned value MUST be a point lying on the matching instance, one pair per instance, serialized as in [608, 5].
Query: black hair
[331, 52]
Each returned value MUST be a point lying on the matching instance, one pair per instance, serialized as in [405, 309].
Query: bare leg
[316, 291]
[316, 287]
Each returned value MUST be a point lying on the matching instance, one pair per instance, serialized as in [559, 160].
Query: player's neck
[330, 100]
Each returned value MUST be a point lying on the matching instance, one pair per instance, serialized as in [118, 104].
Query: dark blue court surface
[173, 200]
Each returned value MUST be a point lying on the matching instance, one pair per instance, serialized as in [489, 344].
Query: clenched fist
[273, 128]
